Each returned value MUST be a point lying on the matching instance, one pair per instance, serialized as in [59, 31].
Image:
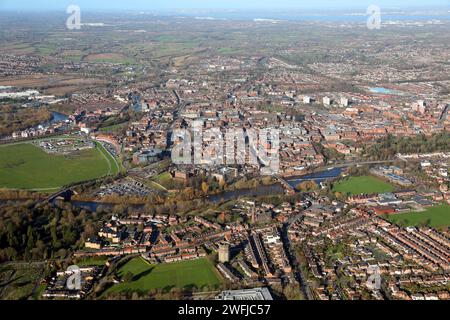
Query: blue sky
[213, 4]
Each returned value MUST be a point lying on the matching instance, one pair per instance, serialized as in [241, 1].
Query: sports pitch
[26, 166]
[193, 273]
[364, 184]
[436, 217]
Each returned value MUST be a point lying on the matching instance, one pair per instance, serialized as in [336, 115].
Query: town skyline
[210, 155]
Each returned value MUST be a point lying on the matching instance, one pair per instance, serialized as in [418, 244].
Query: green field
[21, 281]
[92, 261]
[25, 166]
[194, 273]
[436, 217]
[163, 177]
[114, 128]
[364, 184]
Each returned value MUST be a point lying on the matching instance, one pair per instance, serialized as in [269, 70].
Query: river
[317, 177]
[261, 190]
[381, 90]
[58, 117]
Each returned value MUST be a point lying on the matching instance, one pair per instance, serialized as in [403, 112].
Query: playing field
[436, 217]
[25, 166]
[364, 184]
[194, 273]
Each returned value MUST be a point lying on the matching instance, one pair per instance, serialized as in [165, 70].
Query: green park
[138, 275]
[436, 217]
[362, 185]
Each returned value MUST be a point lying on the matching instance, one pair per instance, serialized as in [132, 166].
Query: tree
[307, 186]
[128, 277]
[30, 237]
[205, 187]
[10, 235]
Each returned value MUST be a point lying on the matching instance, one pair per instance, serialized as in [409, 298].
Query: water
[277, 188]
[380, 90]
[357, 16]
[262, 190]
[317, 177]
[58, 117]
[92, 206]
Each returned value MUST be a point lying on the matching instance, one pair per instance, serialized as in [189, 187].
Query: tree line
[389, 146]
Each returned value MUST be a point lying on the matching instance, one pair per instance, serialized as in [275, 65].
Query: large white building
[248, 294]
[306, 100]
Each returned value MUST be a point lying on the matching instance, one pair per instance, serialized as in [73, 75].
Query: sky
[108, 5]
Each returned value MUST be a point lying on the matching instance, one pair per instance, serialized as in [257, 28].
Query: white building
[344, 102]
[248, 294]
[326, 101]
[306, 100]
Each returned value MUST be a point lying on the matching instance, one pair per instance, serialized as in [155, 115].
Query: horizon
[189, 5]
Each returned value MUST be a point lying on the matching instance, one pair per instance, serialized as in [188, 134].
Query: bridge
[287, 187]
[66, 194]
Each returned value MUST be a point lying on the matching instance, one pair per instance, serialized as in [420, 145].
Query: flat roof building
[247, 294]
[224, 252]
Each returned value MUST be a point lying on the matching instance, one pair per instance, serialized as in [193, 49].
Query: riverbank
[261, 190]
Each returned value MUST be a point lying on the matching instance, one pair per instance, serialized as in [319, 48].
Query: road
[444, 113]
[360, 163]
[304, 287]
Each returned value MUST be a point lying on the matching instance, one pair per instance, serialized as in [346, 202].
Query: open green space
[186, 274]
[25, 166]
[115, 166]
[114, 128]
[163, 177]
[166, 181]
[436, 217]
[363, 184]
[20, 281]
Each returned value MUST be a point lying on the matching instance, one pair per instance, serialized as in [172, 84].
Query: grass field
[194, 273]
[20, 281]
[364, 184]
[108, 58]
[163, 177]
[25, 166]
[92, 261]
[167, 182]
[114, 128]
[436, 217]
